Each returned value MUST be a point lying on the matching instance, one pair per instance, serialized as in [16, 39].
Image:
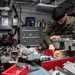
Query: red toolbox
[49, 52]
[13, 70]
[48, 65]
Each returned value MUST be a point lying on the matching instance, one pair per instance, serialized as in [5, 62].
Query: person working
[62, 25]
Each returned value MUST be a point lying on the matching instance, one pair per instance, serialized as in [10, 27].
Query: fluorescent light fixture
[4, 8]
[47, 5]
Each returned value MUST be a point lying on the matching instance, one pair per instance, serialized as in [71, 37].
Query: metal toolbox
[30, 35]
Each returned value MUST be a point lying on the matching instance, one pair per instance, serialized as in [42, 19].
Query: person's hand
[51, 47]
[40, 47]
[55, 36]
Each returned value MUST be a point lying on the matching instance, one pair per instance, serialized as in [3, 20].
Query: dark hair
[58, 13]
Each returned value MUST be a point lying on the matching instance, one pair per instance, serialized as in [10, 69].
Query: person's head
[59, 15]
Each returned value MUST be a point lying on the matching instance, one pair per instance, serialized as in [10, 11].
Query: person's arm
[46, 34]
[68, 36]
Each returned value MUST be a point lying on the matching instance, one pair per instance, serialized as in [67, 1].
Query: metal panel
[31, 41]
[30, 35]
[23, 28]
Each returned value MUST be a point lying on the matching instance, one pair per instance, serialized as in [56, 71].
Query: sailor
[62, 25]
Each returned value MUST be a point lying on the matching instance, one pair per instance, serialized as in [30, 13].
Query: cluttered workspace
[22, 30]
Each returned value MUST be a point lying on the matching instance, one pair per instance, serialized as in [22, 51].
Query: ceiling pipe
[47, 5]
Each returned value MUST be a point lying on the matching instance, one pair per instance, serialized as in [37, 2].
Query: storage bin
[48, 65]
[13, 70]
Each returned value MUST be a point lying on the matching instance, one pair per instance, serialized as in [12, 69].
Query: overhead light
[47, 5]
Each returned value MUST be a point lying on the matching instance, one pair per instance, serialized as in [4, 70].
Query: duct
[45, 7]
[49, 8]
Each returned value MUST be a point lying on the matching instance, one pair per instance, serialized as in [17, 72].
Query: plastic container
[49, 52]
[13, 70]
[48, 65]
